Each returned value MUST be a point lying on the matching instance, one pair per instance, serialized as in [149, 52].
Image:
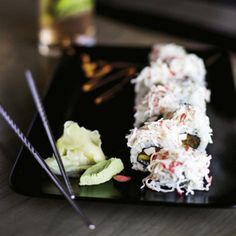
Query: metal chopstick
[43, 116]
[45, 167]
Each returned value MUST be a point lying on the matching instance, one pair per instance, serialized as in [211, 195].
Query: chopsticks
[45, 167]
[43, 116]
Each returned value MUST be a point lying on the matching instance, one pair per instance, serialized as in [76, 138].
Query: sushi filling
[145, 156]
[192, 141]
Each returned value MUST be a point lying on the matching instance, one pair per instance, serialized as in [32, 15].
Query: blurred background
[207, 20]
[191, 23]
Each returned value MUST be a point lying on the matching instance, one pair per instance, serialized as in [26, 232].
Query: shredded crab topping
[170, 118]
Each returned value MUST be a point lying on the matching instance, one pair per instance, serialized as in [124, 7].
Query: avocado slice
[101, 172]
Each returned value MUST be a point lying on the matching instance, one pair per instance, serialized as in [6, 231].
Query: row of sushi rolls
[170, 135]
[171, 129]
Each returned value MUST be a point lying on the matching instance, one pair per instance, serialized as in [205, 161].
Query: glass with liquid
[63, 22]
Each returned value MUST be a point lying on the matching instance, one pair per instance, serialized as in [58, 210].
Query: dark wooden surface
[22, 215]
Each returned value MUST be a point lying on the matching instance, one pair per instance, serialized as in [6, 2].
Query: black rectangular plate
[66, 101]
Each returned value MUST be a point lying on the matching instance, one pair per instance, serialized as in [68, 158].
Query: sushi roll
[172, 129]
[162, 100]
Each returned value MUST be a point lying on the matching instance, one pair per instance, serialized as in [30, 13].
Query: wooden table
[22, 215]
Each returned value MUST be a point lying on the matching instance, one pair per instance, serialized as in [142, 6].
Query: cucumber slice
[101, 172]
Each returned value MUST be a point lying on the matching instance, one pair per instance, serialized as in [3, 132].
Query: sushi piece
[162, 100]
[149, 76]
[185, 70]
[158, 103]
[187, 128]
[159, 148]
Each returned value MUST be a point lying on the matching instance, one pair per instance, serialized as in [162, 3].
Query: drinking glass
[65, 22]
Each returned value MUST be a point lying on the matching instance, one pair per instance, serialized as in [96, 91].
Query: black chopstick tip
[72, 197]
[92, 227]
